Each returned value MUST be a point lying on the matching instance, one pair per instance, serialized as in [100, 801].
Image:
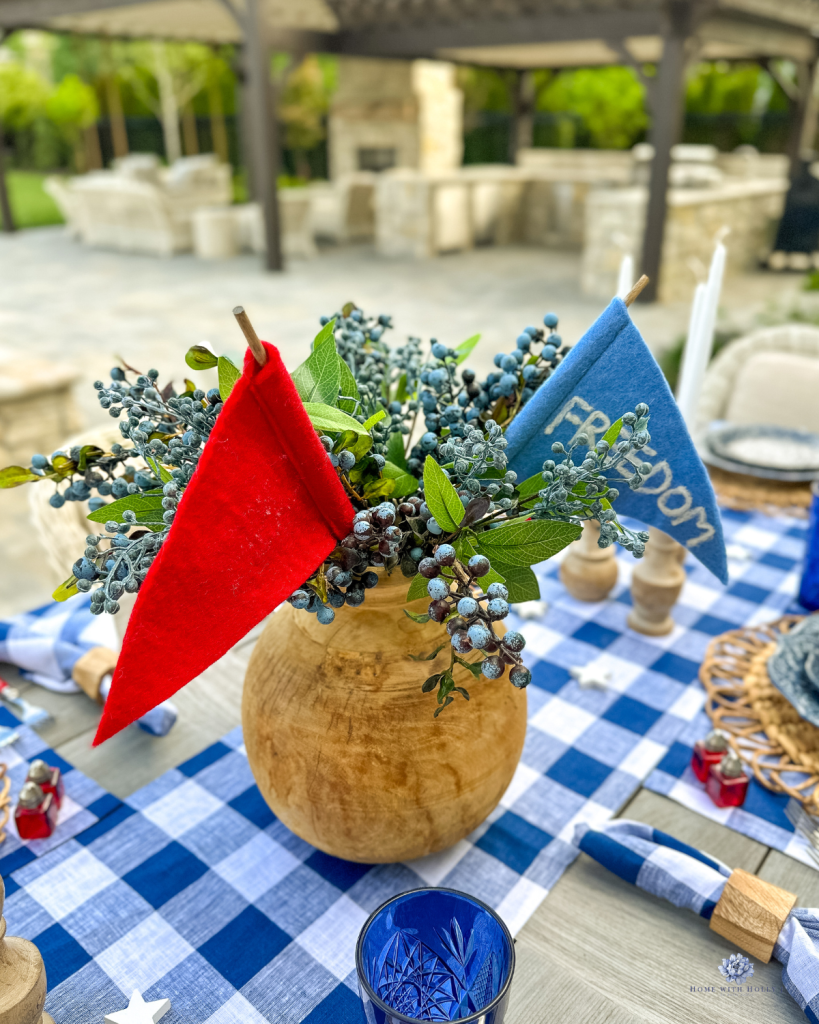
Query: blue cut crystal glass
[434, 955]
[809, 586]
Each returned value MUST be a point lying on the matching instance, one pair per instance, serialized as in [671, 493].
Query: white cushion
[778, 388]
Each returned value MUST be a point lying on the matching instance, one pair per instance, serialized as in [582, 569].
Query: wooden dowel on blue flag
[635, 291]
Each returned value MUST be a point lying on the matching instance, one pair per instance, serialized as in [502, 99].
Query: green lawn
[31, 207]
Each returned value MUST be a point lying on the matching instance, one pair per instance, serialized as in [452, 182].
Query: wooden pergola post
[666, 125]
[262, 121]
[5, 205]
[521, 129]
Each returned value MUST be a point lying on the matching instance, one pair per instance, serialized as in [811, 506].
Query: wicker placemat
[781, 747]
[750, 494]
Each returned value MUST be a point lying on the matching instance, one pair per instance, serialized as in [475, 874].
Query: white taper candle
[626, 277]
[700, 340]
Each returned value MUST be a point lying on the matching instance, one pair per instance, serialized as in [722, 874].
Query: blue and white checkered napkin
[687, 877]
[46, 643]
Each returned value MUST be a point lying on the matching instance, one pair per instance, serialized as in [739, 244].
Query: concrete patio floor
[62, 301]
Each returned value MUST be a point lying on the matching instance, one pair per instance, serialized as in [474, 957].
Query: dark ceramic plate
[794, 667]
[773, 453]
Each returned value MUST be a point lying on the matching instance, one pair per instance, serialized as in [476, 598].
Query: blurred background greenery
[70, 104]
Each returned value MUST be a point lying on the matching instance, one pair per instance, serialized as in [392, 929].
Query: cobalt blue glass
[809, 587]
[434, 955]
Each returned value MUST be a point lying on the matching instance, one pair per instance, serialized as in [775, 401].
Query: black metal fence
[486, 139]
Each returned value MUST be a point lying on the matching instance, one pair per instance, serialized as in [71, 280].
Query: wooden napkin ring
[751, 913]
[91, 668]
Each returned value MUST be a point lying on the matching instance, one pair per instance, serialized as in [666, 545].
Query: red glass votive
[50, 780]
[709, 751]
[727, 783]
[38, 821]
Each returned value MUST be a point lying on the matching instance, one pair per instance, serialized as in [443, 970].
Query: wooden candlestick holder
[656, 584]
[22, 978]
[588, 571]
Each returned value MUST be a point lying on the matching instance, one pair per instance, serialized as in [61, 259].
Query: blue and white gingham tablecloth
[193, 891]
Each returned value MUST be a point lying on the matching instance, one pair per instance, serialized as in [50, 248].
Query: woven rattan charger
[781, 748]
[751, 494]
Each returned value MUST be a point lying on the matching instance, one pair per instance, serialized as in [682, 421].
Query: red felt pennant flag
[263, 509]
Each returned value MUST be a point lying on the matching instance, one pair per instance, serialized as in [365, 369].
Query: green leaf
[360, 445]
[146, 507]
[446, 704]
[431, 683]
[416, 616]
[325, 334]
[432, 655]
[613, 432]
[66, 590]
[401, 393]
[159, 470]
[376, 417]
[473, 667]
[348, 387]
[464, 350]
[347, 308]
[441, 496]
[405, 483]
[529, 487]
[379, 489]
[200, 358]
[395, 450]
[418, 588]
[63, 466]
[317, 379]
[525, 542]
[520, 581]
[86, 451]
[229, 373]
[446, 685]
[325, 417]
[13, 476]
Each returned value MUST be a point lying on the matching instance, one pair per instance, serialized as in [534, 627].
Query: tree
[303, 107]
[23, 95]
[73, 107]
[609, 100]
[180, 71]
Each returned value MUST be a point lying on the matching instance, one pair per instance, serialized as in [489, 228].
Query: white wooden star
[530, 610]
[590, 678]
[139, 1012]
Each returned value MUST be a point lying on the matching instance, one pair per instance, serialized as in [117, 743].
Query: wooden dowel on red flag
[256, 347]
[635, 291]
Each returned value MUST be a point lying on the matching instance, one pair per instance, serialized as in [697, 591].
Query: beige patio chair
[769, 377]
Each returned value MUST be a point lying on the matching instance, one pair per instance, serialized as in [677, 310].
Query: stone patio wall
[615, 220]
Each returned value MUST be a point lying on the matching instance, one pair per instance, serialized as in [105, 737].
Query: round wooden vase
[343, 743]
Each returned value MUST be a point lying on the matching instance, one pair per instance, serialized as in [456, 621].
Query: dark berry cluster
[470, 614]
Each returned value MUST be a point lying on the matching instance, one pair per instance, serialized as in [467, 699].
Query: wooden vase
[656, 584]
[22, 978]
[588, 571]
[343, 743]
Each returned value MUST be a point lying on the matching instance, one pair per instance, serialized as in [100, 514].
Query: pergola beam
[431, 40]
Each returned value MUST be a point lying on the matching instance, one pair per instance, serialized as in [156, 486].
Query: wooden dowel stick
[635, 291]
[256, 347]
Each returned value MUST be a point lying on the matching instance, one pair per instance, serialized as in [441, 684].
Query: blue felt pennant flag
[606, 374]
